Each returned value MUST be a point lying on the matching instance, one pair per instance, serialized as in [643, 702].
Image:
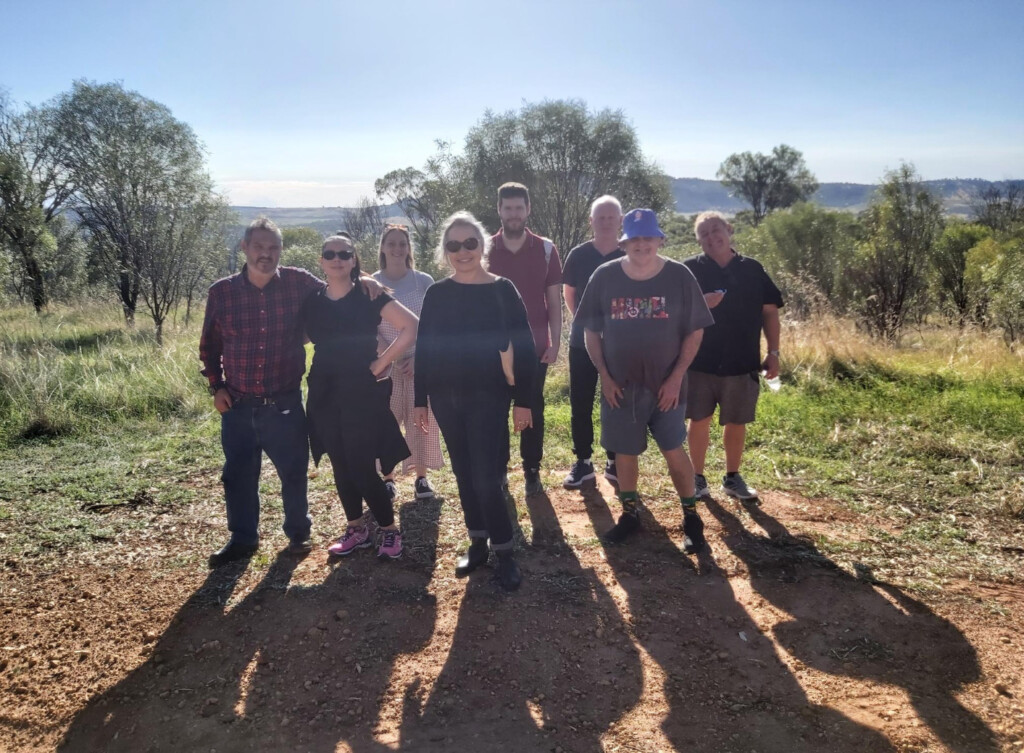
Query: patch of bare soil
[761, 644]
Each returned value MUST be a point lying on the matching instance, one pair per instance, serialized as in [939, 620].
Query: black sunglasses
[469, 244]
[329, 254]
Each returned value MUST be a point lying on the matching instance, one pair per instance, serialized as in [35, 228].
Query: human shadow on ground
[550, 666]
[289, 666]
[846, 626]
[723, 683]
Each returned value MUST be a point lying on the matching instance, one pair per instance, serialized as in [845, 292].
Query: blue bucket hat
[640, 223]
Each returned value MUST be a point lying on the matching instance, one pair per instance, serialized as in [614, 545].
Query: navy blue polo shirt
[732, 345]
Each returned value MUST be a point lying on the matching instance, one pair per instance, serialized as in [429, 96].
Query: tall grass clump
[76, 371]
[932, 425]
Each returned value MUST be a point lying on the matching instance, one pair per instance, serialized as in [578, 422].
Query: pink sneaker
[355, 537]
[390, 544]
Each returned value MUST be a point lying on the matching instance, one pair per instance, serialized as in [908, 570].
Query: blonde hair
[464, 219]
[707, 216]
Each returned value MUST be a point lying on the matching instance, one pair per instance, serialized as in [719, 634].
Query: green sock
[689, 503]
[629, 501]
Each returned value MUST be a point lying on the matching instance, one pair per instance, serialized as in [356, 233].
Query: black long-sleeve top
[462, 328]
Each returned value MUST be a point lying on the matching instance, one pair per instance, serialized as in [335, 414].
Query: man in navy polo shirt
[606, 222]
[725, 373]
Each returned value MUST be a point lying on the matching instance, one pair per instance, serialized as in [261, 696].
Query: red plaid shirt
[251, 341]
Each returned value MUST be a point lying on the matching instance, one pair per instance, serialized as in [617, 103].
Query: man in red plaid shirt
[253, 356]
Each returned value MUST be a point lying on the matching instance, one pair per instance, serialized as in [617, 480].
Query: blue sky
[306, 105]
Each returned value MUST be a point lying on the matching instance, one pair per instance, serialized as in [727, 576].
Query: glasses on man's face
[329, 254]
[453, 247]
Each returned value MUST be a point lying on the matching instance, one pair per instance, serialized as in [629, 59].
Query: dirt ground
[761, 644]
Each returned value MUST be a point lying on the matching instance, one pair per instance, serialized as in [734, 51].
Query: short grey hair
[606, 199]
[465, 219]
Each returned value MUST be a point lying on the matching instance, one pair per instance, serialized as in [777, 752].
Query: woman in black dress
[467, 319]
[348, 412]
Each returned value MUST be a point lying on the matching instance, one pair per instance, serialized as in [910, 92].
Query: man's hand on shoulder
[371, 287]
[222, 400]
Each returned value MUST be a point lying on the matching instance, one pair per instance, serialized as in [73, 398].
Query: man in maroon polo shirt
[532, 264]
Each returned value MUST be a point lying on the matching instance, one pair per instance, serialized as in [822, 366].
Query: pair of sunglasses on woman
[469, 244]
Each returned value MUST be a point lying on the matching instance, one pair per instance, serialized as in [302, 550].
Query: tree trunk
[36, 282]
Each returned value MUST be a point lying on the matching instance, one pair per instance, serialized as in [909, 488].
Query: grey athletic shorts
[735, 396]
[624, 429]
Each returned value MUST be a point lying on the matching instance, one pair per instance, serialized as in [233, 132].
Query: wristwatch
[215, 388]
[773, 353]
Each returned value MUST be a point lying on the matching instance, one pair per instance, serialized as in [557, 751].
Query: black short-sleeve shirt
[576, 273]
[344, 332]
[732, 345]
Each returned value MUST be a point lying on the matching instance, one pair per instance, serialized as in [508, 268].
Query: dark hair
[261, 223]
[514, 191]
[356, 274]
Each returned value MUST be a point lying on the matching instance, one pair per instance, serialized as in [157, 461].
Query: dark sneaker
[609, 472]
[582, 470]
[736, 487]
[533, 484]
[392, 489]
[474, 557]
[355, 537]
[390, 544]
[300, 546]
[509, 575]
[701, 488]
[629, 523]
[232, 552]
[423, 488]
[693, 532]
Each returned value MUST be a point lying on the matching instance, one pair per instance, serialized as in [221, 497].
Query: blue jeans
[473, 425]
[246, 432]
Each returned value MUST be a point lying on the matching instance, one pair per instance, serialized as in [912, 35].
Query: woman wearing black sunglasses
[349, 416]
[466, 321]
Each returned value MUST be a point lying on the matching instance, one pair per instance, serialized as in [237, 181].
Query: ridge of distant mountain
[692, 195]
[698, 194]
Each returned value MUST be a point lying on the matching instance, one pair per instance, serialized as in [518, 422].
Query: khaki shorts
[735, 396]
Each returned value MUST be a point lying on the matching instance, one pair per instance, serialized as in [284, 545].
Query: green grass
[927, 436]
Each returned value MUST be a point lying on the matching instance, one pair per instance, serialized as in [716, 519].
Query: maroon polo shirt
[251, 340]
[531, 276]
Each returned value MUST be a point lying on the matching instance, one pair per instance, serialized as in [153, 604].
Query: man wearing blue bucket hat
[643, 317]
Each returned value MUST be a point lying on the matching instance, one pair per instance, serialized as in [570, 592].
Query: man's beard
[516, 232]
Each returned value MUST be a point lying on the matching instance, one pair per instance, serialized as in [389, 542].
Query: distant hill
[692, 195]
[697, 195]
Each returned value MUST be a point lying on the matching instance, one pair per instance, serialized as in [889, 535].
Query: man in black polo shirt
[744, 302]
[605, 221]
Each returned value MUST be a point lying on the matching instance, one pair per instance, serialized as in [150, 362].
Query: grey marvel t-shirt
[643, 322]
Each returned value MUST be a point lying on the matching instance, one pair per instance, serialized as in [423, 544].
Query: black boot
[693, 531]
[509, 575]
[474, 557]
